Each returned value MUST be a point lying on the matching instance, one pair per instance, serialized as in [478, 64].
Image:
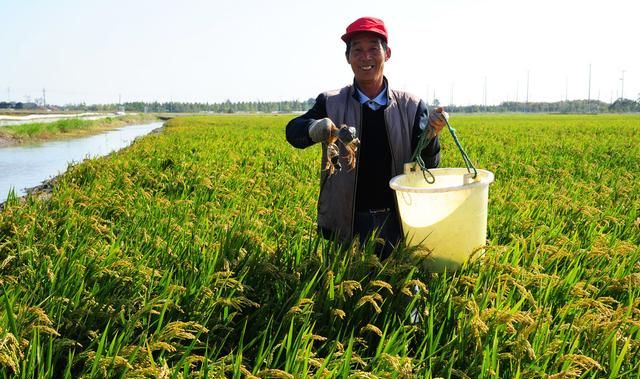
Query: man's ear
[346, 55]
[388, 55]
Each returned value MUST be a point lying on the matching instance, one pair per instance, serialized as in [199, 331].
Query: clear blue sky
[247, 50]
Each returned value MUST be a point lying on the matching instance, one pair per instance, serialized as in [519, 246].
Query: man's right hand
[438, 119]
[320, 130]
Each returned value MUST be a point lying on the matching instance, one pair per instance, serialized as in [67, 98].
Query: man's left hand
[437, 119]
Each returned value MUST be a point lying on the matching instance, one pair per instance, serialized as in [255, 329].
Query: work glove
[320, 130]
[437, 119]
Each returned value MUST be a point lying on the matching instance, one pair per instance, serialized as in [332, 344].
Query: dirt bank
[7, 141]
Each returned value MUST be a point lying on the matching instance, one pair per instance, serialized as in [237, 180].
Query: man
[359, 202]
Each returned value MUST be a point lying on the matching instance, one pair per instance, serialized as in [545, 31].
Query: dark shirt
[374, 163]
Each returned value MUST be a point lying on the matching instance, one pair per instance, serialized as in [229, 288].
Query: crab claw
[346, 134]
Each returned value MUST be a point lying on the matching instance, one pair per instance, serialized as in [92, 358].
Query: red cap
[366, 24]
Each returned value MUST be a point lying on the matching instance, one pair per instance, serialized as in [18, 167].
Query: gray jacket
[405, 116]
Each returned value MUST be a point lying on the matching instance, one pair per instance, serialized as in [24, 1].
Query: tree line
[572, 106]
[224, 107]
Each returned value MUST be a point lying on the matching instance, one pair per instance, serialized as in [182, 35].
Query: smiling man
[358, 203]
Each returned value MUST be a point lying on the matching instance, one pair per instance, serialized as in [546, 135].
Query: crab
[346, 135]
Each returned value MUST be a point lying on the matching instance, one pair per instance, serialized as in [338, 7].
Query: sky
[459, 51]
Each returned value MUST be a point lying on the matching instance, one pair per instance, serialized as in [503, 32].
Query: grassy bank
[193, 253]
[66, 128]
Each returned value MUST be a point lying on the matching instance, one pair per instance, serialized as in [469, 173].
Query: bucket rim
[484, 182]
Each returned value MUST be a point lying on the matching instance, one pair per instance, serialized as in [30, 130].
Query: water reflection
[28, 166]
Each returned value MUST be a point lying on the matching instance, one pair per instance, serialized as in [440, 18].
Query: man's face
[367, 57]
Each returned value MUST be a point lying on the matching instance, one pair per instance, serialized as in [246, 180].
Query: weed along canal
[23, 167]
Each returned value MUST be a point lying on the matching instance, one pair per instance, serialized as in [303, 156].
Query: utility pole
[622, 88]
[44, 98]
[589, 95]
[485, 92]
[527, 101]
[8, 94]
[566, 88]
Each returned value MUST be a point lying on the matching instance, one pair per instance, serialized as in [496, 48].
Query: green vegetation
[193, 253]
[70, 127]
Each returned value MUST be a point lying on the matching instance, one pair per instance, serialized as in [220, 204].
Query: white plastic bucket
[448, 218]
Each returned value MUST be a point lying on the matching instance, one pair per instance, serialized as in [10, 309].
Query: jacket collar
[374, 103]
[354, 93]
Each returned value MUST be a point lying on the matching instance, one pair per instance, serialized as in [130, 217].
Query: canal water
[23, 167]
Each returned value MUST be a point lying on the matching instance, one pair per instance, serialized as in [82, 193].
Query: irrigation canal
[23, 167]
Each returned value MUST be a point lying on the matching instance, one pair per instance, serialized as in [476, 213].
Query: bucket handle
[465, 157]
[425, 138]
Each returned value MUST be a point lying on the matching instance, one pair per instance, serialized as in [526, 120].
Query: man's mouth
[366, 68]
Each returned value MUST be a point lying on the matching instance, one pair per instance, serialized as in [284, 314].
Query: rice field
[193, 253]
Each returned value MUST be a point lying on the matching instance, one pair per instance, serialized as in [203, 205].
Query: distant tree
[624, 105]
